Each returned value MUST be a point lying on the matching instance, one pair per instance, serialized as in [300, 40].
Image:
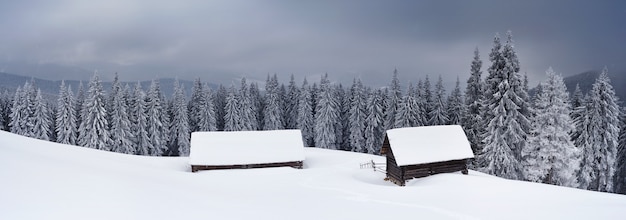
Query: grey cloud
[222, 40]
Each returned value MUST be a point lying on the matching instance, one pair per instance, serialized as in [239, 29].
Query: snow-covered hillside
[43, 180]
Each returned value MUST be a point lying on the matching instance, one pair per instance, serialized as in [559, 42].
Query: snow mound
[43, 180]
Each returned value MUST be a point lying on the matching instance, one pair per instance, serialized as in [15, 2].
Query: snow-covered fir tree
[258, 104]
[420, 98]
[273, 111]
[357, 116]
[577, 113]
[437, 114]
[19, 113]
[179, 124]
[220, 104]
[157, 120]
[291, 104]
[22, 117]
[620, 171]
[550, 156]
[600, 134]
[4, 104]
[119, 121]
[455, 108]
[93, 132]
[139, 126]
[305, 114]
[427, 96]
[66, 116]
[407, 114]
[343, 125]
[206, 112]
[247, 111]
[231, 111]
[80, 99]
[392, 100]
[41, 115]
[505, 123]
[326, 116]
[374, 128]
[472, 120]
[197, 94]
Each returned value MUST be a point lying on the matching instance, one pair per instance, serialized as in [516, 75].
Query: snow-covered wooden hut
[421, 151]
[246, 149]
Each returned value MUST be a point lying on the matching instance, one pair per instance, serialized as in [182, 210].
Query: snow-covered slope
[42, 180]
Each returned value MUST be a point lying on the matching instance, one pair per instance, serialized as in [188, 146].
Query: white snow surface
[428, 144]
[246, 147]
[43, 180]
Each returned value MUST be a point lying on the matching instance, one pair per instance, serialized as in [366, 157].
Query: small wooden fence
[377, 167]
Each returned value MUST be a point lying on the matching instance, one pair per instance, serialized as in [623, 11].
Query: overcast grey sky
[224, 40]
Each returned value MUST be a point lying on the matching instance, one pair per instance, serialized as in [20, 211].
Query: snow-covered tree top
[428, 144]
[246, 147]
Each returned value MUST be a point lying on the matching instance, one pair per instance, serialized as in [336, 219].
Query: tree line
[552, 137]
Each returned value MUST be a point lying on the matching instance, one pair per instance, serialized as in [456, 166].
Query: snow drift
[43, 180]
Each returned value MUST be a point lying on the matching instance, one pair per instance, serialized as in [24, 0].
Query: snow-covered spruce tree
[472, 121]
[3, 106]
[120, 126]
[179, 124]
[455, 108]
[130, 101]
[550, 156]
[258, 104]
[272, 113]
[93, 131]
[427, 96]
[206, 112]
[291, 104]
[326, 116]
[438, 114]
[197, 94]
[31, 100]
[391, 102]
[305, 114]
[220, 103]
[5, 110]
[282, 94]
[620, 172]
[407, 114]
[157, 120]
[139, 126]
[246, 108]
[66, 116]
[356, 117]
[600, 133]
[42, 121]
[505, 124]
[19, 113]
[231, 109]
[22, 112]
[343, 125]
[80, 99]
[420, 98]
[374, 129]
[577, 112]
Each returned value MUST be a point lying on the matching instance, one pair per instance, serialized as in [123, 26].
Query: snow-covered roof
[245, 147]
[428, 144]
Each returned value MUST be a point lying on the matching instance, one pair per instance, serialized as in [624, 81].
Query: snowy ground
[42, 180]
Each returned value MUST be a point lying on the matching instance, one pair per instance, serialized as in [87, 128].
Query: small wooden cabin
[422, 151]
[246, 149]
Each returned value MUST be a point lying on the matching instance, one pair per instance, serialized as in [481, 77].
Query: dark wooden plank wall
[294, 164]
[394, 173]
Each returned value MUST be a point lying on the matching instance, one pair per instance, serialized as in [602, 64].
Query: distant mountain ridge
[586, 79]
[50, 88]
